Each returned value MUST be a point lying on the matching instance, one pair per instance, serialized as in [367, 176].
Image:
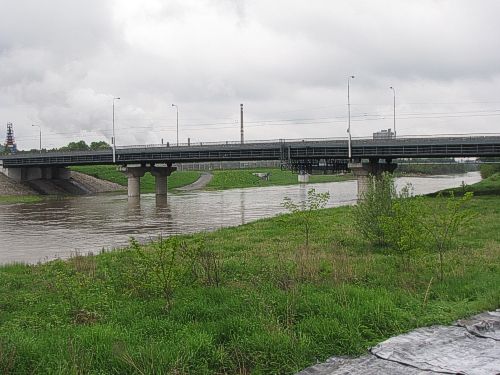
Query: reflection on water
[41, 231]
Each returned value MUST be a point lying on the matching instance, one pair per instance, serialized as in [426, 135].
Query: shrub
[304, 209]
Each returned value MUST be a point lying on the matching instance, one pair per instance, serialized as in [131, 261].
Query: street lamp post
[113, 139]
[40, 128]
[394, 107]
[177, 110]
[349, 146]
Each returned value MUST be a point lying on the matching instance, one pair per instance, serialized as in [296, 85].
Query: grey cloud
[62, 62]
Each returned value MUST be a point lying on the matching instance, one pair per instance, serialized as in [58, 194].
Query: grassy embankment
[254, 301]
[109, 173]
[488, 186]
[9, 199]
[223, 179]
[242, 178]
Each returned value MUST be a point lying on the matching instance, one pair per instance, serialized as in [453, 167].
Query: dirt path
[470, 346]
[200, 183]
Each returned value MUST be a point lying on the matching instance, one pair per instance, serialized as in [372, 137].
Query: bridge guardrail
[432, 137]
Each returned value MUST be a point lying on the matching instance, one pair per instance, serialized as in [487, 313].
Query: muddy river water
[60, 227]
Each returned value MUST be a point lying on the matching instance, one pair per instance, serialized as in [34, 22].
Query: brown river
[60, 227]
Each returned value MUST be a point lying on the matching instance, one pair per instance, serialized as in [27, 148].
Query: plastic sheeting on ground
[483, 325]
[470, 347]
[443, 349]
[365, 365]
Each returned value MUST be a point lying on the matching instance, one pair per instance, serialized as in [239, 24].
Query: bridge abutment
[365, 171]
[24, 174]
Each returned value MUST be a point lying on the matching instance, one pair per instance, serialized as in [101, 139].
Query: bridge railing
[431, 137]
[232, 143]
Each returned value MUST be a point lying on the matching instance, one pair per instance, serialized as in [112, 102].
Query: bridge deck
[438, 147]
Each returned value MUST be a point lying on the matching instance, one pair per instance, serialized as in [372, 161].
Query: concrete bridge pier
[134, 174]
[365, 171]
[161, 174]
[303, 177]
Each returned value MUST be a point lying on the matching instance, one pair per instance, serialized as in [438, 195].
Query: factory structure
[10, 142]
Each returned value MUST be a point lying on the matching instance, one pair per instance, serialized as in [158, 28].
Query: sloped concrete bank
[78, 184]
[470, 346]
[11, 187]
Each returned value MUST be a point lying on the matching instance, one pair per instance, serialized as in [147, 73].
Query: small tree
[376, 204]
[304, 209]
[442, 222]
[401, 227]
[160, 259]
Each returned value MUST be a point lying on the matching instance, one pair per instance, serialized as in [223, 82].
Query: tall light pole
[394, 97]
[349, 147]
[241, 124]
[40, 128]
[177, 111]
[113, 139]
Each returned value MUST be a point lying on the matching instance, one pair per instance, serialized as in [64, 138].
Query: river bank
[222, 179]
[248, 299]
[39, 231]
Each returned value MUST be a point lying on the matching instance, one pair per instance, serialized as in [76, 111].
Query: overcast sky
[287, 61]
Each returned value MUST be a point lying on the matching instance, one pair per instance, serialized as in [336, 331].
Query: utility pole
[241, 124]
[113, 137]
[40, 128]
[177, 121]
[349, 146]
[394, 106]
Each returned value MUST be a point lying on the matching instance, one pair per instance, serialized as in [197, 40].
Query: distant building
[384, 134]
[10, 142]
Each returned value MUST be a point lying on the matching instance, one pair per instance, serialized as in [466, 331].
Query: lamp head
[351, 76]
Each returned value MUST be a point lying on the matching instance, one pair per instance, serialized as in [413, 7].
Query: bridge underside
[25, 174]
[316, 166]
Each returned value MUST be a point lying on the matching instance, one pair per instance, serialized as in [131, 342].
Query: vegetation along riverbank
[8, 199]
[250, 299]
[110, 173]
[223, 179]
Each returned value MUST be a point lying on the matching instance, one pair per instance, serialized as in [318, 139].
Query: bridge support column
[134, 174]
[303, 177]
[161, 174]
[365, 171]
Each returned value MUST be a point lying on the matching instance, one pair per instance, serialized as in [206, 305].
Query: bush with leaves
[401, 226]
[442, 221]
[304, 209]
[160, 259]
[376, 205]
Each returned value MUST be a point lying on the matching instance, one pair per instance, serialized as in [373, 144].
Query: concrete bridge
[369, 156]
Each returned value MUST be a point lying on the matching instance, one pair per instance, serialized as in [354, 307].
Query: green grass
[231, 179]
[223, 179]
[9, 199]
[487, 186]
[278, 308]
[109, 173]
